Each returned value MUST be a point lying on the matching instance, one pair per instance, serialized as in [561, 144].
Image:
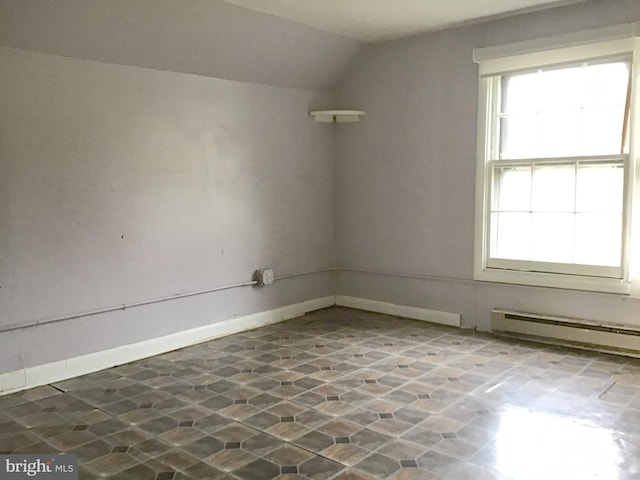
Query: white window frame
[611, 42]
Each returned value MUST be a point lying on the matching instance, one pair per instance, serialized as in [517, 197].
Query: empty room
[320, 239]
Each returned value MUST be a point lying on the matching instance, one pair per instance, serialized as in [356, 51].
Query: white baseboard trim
[73, 367]
[415, 313]
[93, 362]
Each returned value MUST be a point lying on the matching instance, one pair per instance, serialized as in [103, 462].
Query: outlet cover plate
[264, 276]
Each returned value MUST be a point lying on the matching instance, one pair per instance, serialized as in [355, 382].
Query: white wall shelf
[338, 116]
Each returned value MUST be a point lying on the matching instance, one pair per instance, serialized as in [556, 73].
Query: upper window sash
[528, 102]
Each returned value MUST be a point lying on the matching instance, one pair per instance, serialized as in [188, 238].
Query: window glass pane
[560, 88]
[511, 235]
[598, 239]
[519, 133]
[602, 130]
[558, 133]
[553, 188]
[522, 93]
[606, 84]
[599, 188]
[552, 237]
[512, 188]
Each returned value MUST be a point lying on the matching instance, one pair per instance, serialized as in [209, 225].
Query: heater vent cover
[586, 334]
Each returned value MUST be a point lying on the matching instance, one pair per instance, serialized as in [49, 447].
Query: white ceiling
[375, 20]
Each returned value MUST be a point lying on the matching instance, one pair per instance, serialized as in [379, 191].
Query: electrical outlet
[264, 276]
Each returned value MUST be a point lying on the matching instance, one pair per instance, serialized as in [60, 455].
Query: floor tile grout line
[290, 442]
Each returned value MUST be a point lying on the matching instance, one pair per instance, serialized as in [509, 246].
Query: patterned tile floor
[345, 395]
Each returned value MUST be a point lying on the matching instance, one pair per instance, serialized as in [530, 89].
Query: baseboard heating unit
[585, 334]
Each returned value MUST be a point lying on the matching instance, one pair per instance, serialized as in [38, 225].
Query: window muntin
[557, 169]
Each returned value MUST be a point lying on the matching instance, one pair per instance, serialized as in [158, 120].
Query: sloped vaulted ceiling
[376, 20]
[203, 37]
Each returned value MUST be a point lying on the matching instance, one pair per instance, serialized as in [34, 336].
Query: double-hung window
[555, 166]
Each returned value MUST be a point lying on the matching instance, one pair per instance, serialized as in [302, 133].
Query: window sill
[551, 280]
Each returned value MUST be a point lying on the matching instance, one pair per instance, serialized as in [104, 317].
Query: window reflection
[537, 445]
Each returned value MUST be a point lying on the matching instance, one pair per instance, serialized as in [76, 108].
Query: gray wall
[120, 184]
[406, 174]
